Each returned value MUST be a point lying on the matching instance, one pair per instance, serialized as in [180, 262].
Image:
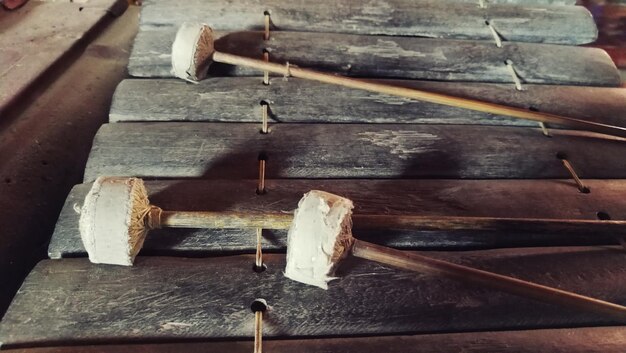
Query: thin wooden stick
[266, 74]
[241, 220]
[261, 184]
[264, 118]
[258, 259]
[574, 175]
[258, 331]
[266, 21]
[419, 95]
[424, 264]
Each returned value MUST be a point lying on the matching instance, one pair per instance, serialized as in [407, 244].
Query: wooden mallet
[116, 216]
[193, 52]
[321, 236]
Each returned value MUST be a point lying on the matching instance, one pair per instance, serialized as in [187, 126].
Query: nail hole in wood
[258, 304]
[603, 216]
[561, 155]
[584, 190]
[80, 8]
[487, 22]
[266, 13]
[533, 109]
[259, 269]
[8, 180]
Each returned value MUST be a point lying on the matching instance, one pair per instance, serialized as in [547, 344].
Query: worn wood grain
[223, 150]
[573, 340]
[391, 57]
[550, 199]
[177, 298]
[35, 36]
[237, 99]
[426, 18]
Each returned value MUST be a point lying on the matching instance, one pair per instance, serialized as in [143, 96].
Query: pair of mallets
[117, 215]
[193, 52]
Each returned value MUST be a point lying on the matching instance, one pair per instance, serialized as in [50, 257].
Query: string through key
[566, 163]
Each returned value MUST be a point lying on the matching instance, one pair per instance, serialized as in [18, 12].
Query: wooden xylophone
[204, 147]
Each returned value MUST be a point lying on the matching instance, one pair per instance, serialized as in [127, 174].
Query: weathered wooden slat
[37, 35]
[177, 298]
[427, 18]
[574, 340]
[391, 57]
[223, 150]
[552, 199]
[237, 99]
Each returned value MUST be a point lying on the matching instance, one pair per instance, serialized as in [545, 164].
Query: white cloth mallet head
[319, 237]
[112, 220]
[192, 51]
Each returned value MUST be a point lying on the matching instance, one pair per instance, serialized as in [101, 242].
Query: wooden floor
[46, 132]
[39, 34]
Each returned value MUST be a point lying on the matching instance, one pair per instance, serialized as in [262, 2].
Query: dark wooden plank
[574, 340]
[426, 18]
[178, 298]
[300, 101]
[552, 199]
[35, 36]
[223, 150]
[392, 57]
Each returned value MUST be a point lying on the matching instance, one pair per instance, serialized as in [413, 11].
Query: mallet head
[319, 237]
[112, 220]
[192, 51]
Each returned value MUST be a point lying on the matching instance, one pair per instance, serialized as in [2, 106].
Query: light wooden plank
[391, 57]
[426, 18]
[35, 36]
[237, 99]
[551, 199]
[573, 340]
[178, 299]
[223, 150]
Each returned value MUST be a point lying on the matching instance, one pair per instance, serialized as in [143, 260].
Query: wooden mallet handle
[438, 98]
[193, 51]
[427, 265]
[414, 262]
[269, 220]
